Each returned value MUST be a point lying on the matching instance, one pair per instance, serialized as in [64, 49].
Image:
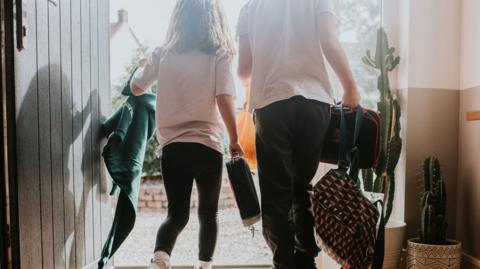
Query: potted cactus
[380, 181]
[432, 249]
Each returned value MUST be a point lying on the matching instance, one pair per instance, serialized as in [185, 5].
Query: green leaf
[390, 197]
[394, 151]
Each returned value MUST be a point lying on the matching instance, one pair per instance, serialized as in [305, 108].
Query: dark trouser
[289, 139]
[181, 164]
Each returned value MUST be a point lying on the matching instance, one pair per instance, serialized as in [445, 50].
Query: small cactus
[434, 200]
[384, 181]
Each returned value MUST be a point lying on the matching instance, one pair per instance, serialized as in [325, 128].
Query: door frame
[9, 234]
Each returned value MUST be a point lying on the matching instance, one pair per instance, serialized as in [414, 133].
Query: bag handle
[348, 159]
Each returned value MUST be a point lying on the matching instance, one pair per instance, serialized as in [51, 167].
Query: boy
[282, 44]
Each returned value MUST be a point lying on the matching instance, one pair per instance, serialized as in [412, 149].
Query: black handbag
[345, 220]
[244, 191]
[368, 140]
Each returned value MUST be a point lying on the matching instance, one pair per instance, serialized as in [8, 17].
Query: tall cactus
[381, 179]
[432, 230]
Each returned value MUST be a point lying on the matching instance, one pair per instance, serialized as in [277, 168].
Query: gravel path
[235, 243]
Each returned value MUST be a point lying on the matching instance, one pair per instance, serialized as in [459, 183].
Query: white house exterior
[123, 43]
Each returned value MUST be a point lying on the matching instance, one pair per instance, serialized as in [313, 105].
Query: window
[359, 22]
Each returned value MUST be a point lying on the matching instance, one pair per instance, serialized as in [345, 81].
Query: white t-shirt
[287, 55]
[187, 85]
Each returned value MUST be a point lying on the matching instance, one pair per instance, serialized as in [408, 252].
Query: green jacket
[128, 131]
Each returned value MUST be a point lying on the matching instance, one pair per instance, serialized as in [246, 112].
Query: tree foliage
[359, 21]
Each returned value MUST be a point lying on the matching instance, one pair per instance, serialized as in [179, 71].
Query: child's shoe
[204, 265]
[160, 260]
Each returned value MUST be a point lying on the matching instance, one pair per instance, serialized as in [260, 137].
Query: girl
[193, 71]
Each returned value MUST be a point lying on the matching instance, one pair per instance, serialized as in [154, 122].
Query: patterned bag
[345, 220]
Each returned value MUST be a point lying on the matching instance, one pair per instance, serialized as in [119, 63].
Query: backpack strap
[379, 249]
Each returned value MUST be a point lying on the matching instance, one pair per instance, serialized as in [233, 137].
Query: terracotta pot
[424, 256]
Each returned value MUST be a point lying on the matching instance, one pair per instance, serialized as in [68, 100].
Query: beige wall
[468, 204]
[432, 129]
[439, 43]
[468, 210]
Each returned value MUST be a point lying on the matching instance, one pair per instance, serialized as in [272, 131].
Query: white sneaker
[204, 265]
[159, 265]
[160, 260]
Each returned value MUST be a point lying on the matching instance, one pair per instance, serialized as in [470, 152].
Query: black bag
[368, 141]
[345, 220]
[243, 188]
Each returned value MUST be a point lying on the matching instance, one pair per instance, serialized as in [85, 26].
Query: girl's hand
[236, 150]
[142, 62]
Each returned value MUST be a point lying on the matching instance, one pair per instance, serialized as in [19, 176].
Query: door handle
[21, 23]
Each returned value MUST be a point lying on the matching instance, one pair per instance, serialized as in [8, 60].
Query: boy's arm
[244, 58]
[336, 57]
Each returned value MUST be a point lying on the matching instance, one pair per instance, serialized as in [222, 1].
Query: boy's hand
[235, 150]
[351, 99]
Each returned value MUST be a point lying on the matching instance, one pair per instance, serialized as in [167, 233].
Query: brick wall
[153, 198]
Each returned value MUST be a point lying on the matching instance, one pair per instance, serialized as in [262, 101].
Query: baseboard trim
[470, 262]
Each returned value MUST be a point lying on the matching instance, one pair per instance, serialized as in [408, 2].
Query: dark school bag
[244, 191]
[345, 220]
[368, 142]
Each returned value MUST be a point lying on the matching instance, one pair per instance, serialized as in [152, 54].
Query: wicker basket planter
[424, 256]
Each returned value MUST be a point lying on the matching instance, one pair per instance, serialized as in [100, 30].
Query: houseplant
[381, 179]
[432, 249]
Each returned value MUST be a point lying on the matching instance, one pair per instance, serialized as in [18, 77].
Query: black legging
[181, 164]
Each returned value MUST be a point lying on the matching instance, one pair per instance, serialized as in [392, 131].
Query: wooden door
[62, 85]
[8, 244]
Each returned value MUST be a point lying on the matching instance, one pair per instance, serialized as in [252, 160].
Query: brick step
[153, 198]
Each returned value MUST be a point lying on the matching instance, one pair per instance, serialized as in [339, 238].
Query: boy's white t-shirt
[187, 87]
[287, 55]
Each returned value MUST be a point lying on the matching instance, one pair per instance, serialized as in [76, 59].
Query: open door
[61, 94]
[8, 242]
[3, 191]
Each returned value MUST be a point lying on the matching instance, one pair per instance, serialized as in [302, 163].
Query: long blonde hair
[198, 24]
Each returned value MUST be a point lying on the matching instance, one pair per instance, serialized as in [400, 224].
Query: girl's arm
[226, 106]
[137, 91]
[146, 75]
[338, 60]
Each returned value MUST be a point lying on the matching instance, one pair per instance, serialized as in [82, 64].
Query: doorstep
[215, 267]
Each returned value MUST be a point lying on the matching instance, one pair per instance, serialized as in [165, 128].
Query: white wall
[470, 46]
[434, 44]
[426, 35]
